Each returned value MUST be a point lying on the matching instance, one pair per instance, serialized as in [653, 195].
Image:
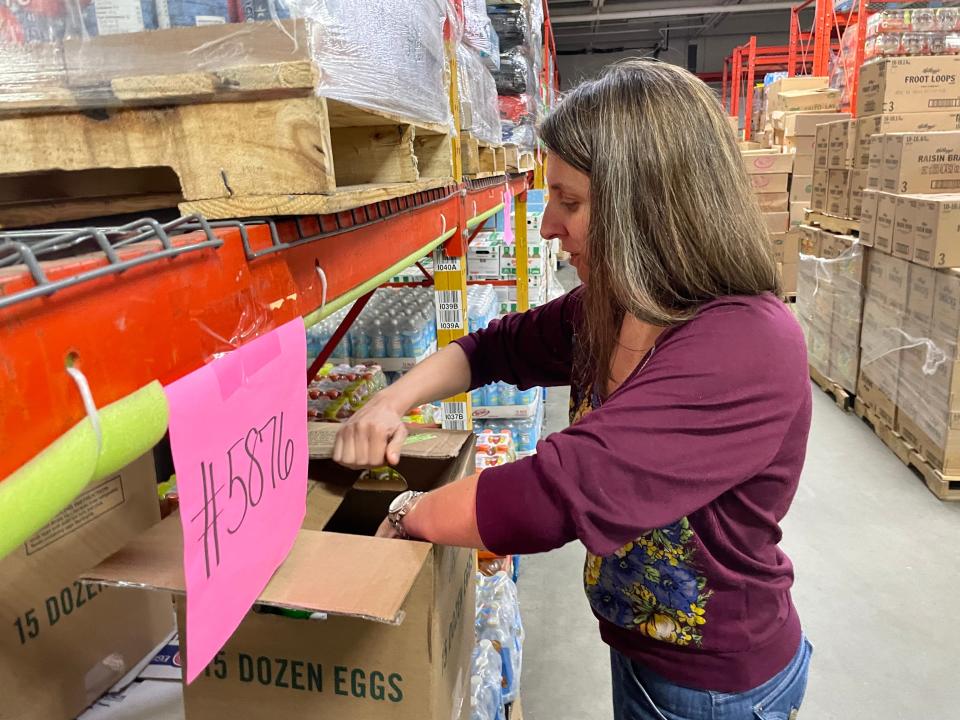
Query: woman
[690, 407]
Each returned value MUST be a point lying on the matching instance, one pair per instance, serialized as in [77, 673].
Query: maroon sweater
[675, 483]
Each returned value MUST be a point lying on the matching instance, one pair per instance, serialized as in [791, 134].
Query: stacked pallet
[267, 121]
[769, 174]
[885, 189]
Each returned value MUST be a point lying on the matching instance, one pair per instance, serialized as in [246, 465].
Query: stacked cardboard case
[830, 302]
[769, 174]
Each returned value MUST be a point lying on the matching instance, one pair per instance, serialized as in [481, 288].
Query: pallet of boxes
[906, 141]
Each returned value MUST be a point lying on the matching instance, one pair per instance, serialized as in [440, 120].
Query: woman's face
[568, 212]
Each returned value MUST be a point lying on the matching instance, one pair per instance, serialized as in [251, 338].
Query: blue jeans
[639, 694]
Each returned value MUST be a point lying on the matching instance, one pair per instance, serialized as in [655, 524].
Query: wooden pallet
[945, 487]
[300, 155]
[789, 298]
[842, 226]
[515, 710]
[210, 63]
[480, 160]
[518, 160]
[841, 396]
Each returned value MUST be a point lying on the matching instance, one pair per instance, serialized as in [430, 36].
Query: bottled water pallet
[275, 149]
[480, 160]
[832, 223]
[841, 396]
[945, 487]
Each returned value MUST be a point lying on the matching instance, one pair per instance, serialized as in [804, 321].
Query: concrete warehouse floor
[877, 561]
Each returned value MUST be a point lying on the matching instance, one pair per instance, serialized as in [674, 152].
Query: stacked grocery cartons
[795, 95]
[796, 132]
[837, 184]
[912, 212]
[769, 174]
[830, 304]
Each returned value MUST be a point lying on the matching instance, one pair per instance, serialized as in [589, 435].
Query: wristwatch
[401, 505]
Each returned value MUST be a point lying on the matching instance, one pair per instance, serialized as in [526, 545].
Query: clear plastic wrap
[909, 376]
[512, 25]
[377, 54]
[515, 76]
[486, 699]
[479, 114]
[830, 303]
[479, 33]
[498, 620]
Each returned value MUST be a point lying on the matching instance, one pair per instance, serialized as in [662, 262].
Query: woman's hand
[387, 530]
[372, 437]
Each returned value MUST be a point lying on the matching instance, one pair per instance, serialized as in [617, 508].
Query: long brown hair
[673, 222]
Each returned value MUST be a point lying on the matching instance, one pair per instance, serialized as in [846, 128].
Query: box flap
[426, 443]
[349, 575]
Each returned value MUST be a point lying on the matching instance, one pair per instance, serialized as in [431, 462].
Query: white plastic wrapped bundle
[478, 97]
[498, 620]
[486, 698]
[381, 54]
[478, 33]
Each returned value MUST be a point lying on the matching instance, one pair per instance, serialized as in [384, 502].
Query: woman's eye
[570, 206]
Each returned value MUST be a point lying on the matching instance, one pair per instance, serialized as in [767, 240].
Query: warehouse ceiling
[598, 26]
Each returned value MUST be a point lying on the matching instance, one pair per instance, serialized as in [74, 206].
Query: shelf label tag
[449, 309]
[454, 416]
[238, 429]
[443, 263]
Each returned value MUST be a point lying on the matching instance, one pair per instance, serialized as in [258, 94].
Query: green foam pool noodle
[46, 484]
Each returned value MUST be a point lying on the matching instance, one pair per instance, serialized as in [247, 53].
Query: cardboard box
[875, 163]
[858, 181]
[801, 144]
[483, 259]
[786, 246]
[398, 637]
[888, 282]
[838, 135]
[838, 193]
[903, 222]
[804, 124]
[946, 305]
[866, 127]
[883, 228]
[921, 162]
[803, 165]
[937, 231]
[801, 188]
[767, 183]
[773, 202]
[66, 643]
[810, 240]
[819, 100]
[868, 216]
[766, 162]
[909, 85]
[818, 198]
[821, 146]
[777, 222]
[798, 214]
[788, 277]
[920, 298]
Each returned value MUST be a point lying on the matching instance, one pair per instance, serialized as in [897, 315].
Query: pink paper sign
[508, 216]
[238, 428]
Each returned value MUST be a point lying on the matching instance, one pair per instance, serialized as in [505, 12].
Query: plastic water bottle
[359, 339]
[378, 340]
[393, 338]
[491, 395]
[507, 394]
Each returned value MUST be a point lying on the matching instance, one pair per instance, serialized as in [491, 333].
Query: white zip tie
[323, 286]
[84, 387]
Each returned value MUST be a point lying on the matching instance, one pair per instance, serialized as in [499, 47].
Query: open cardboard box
[397, 633]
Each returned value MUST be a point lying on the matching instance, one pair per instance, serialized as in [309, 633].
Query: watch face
[398, 502]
